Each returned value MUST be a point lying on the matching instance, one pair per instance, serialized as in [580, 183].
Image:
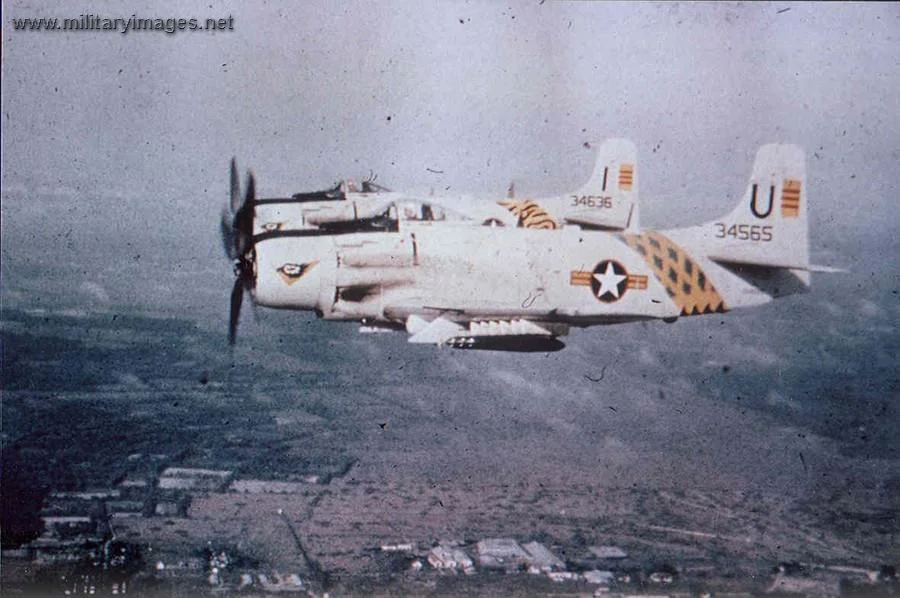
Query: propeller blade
[243, 219]
[237, 297]
[237, 237]
[226, 229]
[235, 188]
[250, 198]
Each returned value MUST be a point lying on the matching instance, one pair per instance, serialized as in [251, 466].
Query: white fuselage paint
[462, 272]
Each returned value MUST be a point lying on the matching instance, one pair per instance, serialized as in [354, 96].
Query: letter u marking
[753, 207]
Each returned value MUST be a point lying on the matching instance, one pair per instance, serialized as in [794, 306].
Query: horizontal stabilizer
[600, 221]
[811, 268]
[827, 269]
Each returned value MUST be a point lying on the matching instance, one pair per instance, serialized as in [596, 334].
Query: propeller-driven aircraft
[608, 201]
[516, 274]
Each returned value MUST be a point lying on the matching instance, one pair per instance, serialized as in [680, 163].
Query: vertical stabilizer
[615, 181]
[609, 199]
[768, 227]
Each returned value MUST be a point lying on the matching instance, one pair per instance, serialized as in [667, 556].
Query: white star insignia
[609, 281]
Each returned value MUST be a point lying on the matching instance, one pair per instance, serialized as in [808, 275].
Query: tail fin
[769, 226]
[609, 200]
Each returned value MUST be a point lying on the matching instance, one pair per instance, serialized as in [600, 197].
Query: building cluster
[150, 488]
[76, 526]
[94, 514]
[608, 571]
[223, 573]
[80, 528]
[510, 556]
[450, 558]
[79, 536]
[78, 542]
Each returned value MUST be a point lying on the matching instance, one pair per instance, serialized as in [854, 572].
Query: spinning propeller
[237, 237]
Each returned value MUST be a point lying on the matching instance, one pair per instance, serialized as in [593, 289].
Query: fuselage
[463, 273]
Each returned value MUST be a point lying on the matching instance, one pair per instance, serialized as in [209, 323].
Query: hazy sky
[485, 91]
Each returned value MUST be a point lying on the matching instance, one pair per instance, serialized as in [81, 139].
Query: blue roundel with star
[609, 281]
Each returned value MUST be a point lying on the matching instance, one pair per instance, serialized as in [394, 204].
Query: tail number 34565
[744, 232]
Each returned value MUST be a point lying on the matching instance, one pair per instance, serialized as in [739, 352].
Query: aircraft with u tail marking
[518, 274]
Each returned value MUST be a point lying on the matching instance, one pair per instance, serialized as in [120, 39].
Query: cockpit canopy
[414, 210]
[351, 186]
[340, 190]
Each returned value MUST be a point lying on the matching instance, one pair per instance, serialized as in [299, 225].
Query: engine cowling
[295, 273]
